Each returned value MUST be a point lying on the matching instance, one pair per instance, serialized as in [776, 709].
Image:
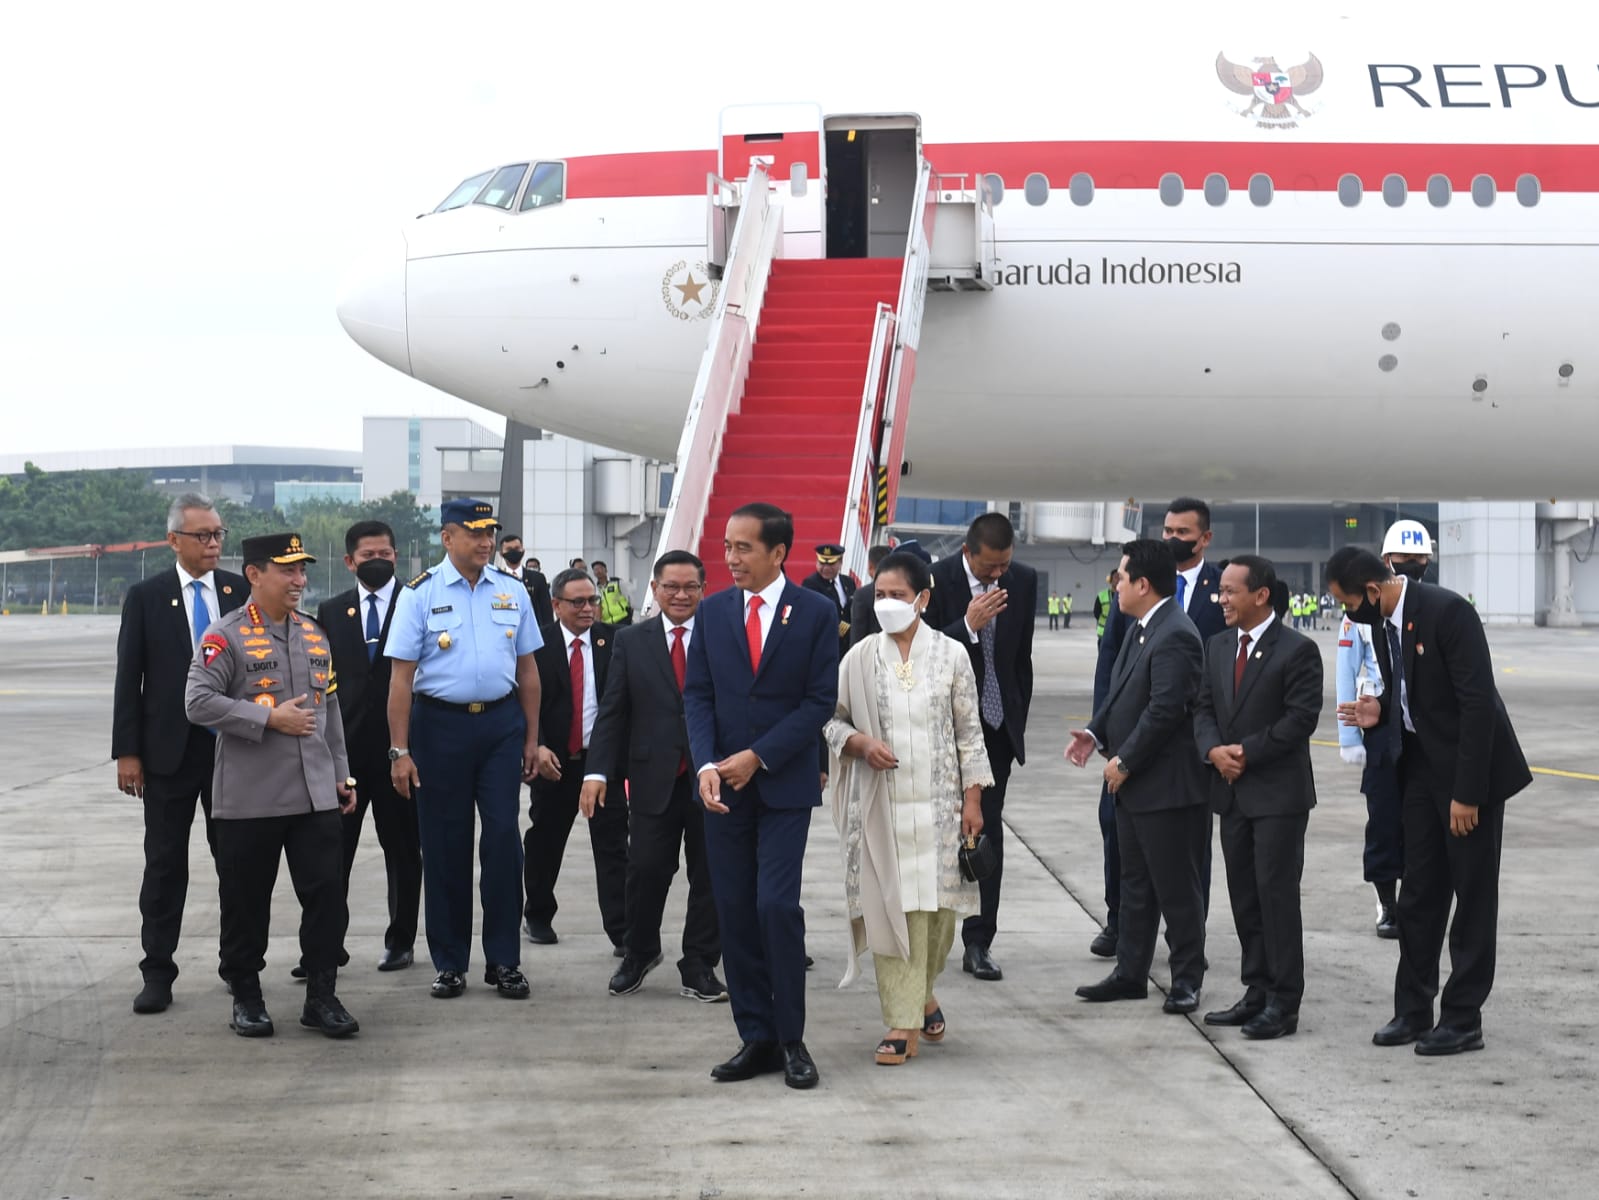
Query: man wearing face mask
[538, 587]
[1459, 762]
[357, 624]
[1407, 548]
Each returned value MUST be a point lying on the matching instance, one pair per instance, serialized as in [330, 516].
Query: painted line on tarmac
[1583, 775]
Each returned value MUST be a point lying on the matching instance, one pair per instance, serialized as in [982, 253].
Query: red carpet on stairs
[792, 441]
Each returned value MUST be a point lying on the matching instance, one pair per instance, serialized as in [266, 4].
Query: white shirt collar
[383, 593]
[768, 594]
[1254, 634]
[687, 627]
[207, 581]
[1398, 619]
[1143, 621]
[575, 637]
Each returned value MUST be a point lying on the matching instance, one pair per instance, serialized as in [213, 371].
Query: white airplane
[1339, 268]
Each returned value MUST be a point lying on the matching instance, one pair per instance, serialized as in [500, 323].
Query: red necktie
[680, 669]
[574, 740]
[1241, 661]
[752, 632]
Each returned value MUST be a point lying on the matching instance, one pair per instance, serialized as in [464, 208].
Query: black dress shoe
[629, 976]
[540, 933]
[250, 1018]
[1113, 987]
[809, 962]
[798, 1069]
[448, 985]
[752, 1059]
[1104, 943]
[508, 981]
[1388, 922]
[979, 963]
[1448, 1039]
[1401, 1030]
[704, 987]
[1182, 999]
[322, 1011]
[1241, 1013]
[1272, 1022]
[618, 951]
[155, 996]
[396, 960]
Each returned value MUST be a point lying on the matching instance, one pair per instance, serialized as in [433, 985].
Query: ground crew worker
[1052, 606]
[463, 719]
[1066, 611]
[615, 608]
[1102, 605]
[263, 680]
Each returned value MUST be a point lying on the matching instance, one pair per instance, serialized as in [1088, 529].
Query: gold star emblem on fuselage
[691, 290]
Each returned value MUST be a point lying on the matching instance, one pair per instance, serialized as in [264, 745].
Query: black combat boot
[250, 1017]
[322, 1008]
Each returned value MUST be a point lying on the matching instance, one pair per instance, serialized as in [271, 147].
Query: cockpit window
[546, 187]
[464, 191]
[501, 191]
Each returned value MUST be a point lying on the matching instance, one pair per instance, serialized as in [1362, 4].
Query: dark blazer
[1204, 607]
[1013, 637]
[1272, 716]
[1459, 717]
[817, 584]
[862, 614]
[363, 685]
[555, 682]
[779, 711]
[538, 590]
[640, 734]
[154, 651]
[1147, 714]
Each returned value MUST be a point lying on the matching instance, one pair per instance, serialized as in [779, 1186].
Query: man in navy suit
[762, 680]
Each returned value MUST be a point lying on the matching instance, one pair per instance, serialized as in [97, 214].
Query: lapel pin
[174, 604]
[227, 589]
[787, 608]
[1258, 654]
[1420, 649]
[597, 641]
[1410, 627]
[1140, 639]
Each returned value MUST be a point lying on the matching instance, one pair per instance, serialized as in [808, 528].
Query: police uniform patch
[270, 665]
[265, 681]
[267, 701]
[254, 641]
[211, 645]
[258, 654]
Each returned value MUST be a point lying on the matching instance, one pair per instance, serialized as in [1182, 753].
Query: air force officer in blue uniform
[464, 719]
[762, 680]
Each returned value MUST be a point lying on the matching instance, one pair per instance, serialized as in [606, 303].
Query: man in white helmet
[1407, 548]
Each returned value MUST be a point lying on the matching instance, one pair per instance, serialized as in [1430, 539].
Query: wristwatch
[1120, 766]
[396, 753]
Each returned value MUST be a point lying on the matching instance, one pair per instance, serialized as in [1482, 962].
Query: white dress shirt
[769, 596]
[591, 695]
[208, 586]
[1398, 622]
[688, 636]
[1254, 635]
[1191, 578]
[385, 595]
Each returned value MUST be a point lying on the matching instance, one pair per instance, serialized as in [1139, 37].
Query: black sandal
[891, 1052]
[933, 1026]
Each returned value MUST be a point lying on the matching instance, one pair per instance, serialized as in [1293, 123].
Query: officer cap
[1407, 537]
[472, 514]
[284, 548]
[829, 552]
[912, 546]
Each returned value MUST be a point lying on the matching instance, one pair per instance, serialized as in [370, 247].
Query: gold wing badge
[1272, 91]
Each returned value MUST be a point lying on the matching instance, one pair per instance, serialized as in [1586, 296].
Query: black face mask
[374, 572]
[512, 557]
[1182, 551]
[1369, 613]
[1415, 571]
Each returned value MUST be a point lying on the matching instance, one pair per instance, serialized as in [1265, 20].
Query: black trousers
[1113, 862]
[1160, 857]
[654, 840]
[168, 819]
[1440, 868]
[979, 929]
[1383, 860]
[552, 810]
[395, 818]
[248, 851]
[1265, 859]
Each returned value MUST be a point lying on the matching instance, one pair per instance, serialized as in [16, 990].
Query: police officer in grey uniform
[464, 719]
[263, 680]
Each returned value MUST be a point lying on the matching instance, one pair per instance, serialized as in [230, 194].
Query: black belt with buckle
[476, 706]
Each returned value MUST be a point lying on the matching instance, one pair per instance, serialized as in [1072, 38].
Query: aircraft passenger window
[1439, 190]
[1260, 190]
[1394, 191]
[996, 189]
[1036, 189]
[1171, 189]
[1215, 190]
[464, 191]
[1528, 190]
[1350, 190]
[547, 186]
[501, 190]
[1484, 191]
[1081, 188]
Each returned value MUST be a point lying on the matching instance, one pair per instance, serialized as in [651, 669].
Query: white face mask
[895, 616]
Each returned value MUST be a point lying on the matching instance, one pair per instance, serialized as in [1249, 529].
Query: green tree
[70, 508]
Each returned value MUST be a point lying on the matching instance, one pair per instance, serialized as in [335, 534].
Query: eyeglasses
[206, 537]
[674, 589]
[579, 601]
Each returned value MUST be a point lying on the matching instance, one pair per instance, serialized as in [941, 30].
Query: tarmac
[578, 1094]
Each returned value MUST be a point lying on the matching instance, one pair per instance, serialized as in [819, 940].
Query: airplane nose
[371, 305]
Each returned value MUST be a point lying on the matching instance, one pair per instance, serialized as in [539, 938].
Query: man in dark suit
[641, 738]
[357, 624]
[574, 663]
[1258, 706]
[538, 588]
[1459, 762]
[828, 580]
[762, 681]
[1145, 729]
[987, 601]
[161, 758]
[862, 616]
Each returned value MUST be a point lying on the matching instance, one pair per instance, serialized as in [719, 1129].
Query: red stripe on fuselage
[1299, 166]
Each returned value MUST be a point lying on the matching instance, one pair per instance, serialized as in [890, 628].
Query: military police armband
[211, 645]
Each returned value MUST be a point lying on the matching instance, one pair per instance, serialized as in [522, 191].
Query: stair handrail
[724, 367]
[860, 513]
[908, 328]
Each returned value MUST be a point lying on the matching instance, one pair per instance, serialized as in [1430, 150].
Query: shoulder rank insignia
[420, 579]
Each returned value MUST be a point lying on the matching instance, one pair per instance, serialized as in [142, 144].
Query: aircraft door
[872, 165]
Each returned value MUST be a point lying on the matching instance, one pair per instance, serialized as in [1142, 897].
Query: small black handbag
[977, 858]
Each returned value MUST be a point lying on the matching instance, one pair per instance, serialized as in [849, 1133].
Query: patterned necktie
[1240, 662]
[574, 740]
[1182, 591]
[990, 701]
[680, 669]
[752, 632]
[1396, 712]
[374, 627]
[202, 614]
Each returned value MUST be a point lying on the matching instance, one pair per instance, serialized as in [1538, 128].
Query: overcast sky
[187, 182]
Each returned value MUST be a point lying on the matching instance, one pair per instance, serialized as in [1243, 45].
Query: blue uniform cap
[472, 514]
[912, 546]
